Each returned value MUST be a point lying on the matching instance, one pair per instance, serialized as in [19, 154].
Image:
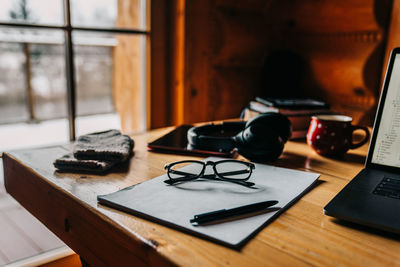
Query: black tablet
[176, 142]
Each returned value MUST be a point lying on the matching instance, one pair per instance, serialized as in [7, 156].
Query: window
[87, 55]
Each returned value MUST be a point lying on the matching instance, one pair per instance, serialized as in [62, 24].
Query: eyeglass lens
[182, 170]
[233, 170]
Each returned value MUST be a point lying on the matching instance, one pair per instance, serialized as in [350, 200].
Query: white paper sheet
[175, 205]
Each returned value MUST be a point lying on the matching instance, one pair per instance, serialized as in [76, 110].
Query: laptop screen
[386, 139]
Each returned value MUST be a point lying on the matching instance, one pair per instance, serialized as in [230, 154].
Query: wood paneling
[167, 63]
[128, 79]
[129, 70]
[160, 68]
[393, 35]
[209, 58]
[236, 50]
[342, 50]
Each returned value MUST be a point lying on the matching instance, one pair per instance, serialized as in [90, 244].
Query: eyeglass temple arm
[187, 175]
[234, 172]
[178, 180]
[207, 175]
[181, 173]
[244, 183]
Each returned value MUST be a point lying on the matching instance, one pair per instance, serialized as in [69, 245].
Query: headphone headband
[261, 138]
[213, 136]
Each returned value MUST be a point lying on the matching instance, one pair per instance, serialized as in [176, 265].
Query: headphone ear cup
[258, 143]
[273, 121]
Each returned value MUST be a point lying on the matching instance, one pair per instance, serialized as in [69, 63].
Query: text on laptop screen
[387, 145]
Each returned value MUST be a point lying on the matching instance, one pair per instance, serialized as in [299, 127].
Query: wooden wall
[393, 38]
[235, 50]
[209, 58]
[128, 69]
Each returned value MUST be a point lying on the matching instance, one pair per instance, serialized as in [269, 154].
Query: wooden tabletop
[66, 203]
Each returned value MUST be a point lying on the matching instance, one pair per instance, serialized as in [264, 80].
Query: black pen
[228, 213]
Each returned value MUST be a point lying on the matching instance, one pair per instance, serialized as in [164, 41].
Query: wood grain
[129, 73]
[303, 235]
[160, 65]
[231, 51]
[69, 261]
[393, 39]
[21, 235]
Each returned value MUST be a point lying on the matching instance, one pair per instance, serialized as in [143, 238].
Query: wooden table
[303, 235]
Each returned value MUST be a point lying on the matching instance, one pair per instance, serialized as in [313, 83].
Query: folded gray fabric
[109, 145]
[96, 152]
[68, 163]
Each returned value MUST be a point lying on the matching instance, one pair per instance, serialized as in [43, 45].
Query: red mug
[332, 135]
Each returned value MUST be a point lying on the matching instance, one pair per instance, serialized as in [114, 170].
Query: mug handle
[366, 137]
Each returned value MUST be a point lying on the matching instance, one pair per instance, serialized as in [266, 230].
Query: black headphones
[262, 138]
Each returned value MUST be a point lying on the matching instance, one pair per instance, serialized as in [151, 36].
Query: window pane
[110, 66]
[109, 13]
[12, 83]
[94, 75]
[48, 80]
[93, 65]
[31, 61]
[32, 11]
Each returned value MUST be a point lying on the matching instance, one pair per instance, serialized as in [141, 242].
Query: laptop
[372, 198]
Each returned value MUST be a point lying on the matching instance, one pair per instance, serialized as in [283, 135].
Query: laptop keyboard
[388, 187]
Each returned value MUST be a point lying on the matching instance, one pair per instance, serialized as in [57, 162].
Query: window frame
[68, 29]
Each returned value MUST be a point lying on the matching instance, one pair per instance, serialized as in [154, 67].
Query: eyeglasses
[234, 171]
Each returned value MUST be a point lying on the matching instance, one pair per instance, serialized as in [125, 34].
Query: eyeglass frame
[215, 176]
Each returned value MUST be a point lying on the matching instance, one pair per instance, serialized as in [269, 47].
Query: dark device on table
[262, 138]
[372, 198]
[176, 141]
